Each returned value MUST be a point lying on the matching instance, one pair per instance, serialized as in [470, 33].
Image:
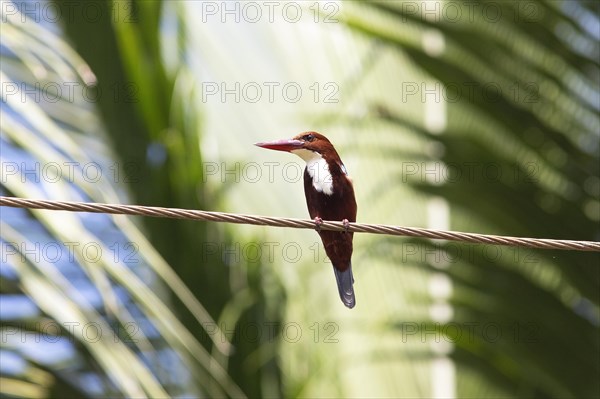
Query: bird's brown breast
[340, 205]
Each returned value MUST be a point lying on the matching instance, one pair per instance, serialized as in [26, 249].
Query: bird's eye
[309, 137]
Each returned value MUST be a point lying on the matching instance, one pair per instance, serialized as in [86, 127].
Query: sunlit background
[479, 116]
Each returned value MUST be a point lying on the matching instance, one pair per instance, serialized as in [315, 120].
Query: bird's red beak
[282, 145]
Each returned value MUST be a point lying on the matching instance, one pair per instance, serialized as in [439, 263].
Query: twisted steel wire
[189, 214]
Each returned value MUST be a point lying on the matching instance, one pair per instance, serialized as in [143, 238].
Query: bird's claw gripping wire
[346, 224]
[318, 223]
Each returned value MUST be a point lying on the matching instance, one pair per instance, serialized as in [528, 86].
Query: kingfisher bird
[329, 196]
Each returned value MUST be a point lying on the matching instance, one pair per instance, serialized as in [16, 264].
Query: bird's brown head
[308, 141]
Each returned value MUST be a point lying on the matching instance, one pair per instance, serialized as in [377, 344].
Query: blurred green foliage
[520, 138]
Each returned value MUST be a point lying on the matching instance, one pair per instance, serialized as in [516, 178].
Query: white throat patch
[318, 169]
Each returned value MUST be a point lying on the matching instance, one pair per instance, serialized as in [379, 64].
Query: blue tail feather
[345, 281]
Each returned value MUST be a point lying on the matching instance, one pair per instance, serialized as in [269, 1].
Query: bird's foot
[346, 224]
[318, 223]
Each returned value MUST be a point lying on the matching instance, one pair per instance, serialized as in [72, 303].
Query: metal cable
[190, 214]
